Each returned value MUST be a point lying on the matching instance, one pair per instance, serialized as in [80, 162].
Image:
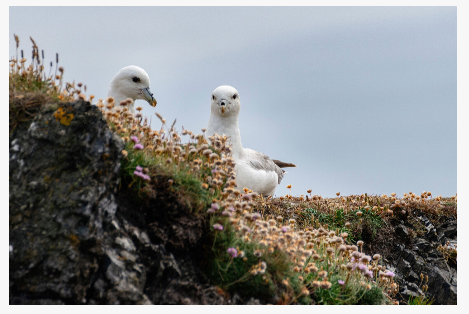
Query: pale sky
[362, 99]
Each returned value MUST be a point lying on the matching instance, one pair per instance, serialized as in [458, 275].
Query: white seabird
[254, 170]
[131, 82]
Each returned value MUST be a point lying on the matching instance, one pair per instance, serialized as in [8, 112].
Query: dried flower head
[322, 274]
[325, 284]
[313, 269]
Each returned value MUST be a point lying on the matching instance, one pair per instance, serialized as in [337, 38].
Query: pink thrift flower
[138, 146]
[215, 206]
[389, 274]
[232, 251]
[217, 227]
[138, 168]
[341, 282]
[134, 139]
[363, 268]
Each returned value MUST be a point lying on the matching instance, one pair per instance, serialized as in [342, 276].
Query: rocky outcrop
[421, 256]
[76, 234]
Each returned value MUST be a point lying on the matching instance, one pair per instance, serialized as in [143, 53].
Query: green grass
[420, 300]
[349, 295]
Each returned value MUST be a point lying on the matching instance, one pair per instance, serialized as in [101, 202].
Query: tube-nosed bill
[148, 96]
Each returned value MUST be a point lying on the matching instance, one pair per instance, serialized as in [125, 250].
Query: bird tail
[282, 164]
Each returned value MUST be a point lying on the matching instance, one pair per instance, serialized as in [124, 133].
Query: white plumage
[131, 82]
[254, 170]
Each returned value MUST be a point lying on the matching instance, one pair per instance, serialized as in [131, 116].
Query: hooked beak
[148, 96]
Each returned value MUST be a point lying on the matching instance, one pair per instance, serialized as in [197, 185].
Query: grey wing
[260, 161]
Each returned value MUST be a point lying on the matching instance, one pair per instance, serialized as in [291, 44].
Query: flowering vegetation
[32, 86]
[449, 251]
[291, 249]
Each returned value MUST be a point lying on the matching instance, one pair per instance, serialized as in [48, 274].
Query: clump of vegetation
[357, 214]
[420, 300]
[449, 252]
[30, 87]
[246, 267]
[331, 271]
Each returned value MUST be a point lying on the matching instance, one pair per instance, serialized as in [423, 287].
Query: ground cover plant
[291, 249]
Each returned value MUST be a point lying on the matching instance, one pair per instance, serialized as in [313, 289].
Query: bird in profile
[131, 82]
[254, 170]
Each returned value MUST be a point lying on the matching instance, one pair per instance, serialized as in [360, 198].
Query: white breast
[260, 181]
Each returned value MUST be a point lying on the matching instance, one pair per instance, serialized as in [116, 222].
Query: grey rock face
[401, 231]
[60, 193]
[423, 257]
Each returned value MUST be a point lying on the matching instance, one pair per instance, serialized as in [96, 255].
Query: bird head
[133, 82]
[225, 101]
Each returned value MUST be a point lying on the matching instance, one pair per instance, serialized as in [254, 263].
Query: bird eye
[135, 79]
[234, 96]
[213, 97]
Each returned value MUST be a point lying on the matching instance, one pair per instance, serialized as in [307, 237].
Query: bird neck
[229, 127]
[118, 97]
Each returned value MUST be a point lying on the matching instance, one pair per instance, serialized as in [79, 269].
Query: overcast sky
[362, 99]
